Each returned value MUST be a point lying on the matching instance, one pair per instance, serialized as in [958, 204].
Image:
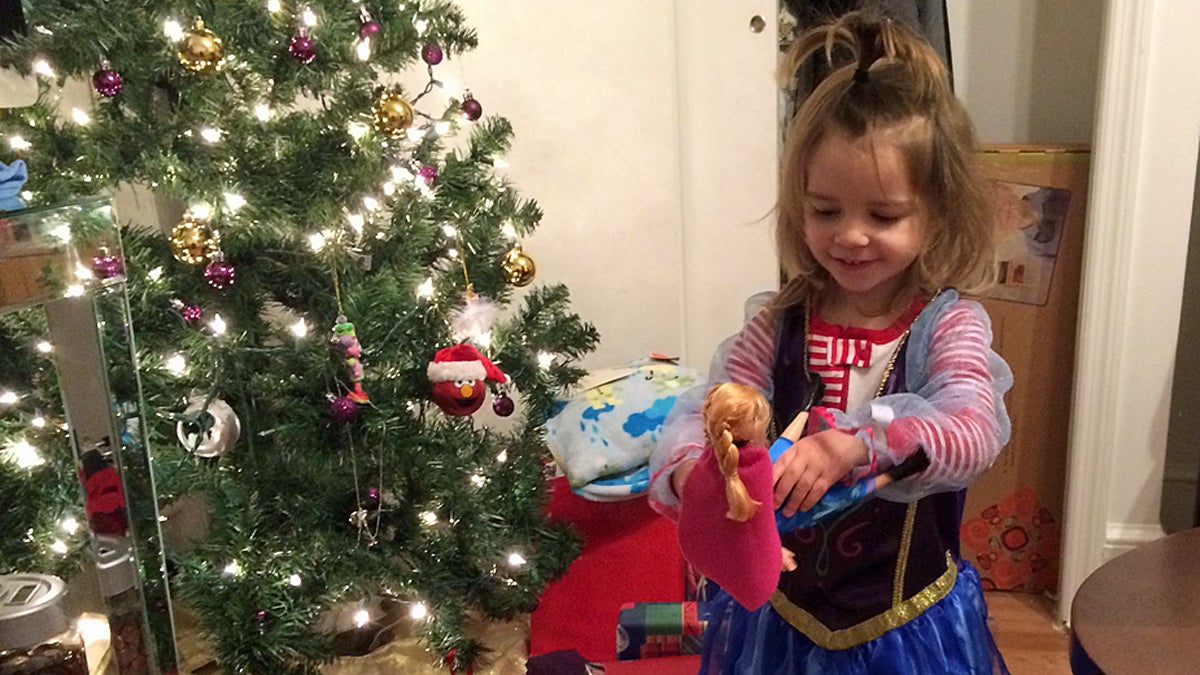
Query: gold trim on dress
[874, 627]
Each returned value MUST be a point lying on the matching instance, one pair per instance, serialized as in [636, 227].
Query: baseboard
[1123, 537]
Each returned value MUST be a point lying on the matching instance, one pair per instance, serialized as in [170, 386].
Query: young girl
[881, 212]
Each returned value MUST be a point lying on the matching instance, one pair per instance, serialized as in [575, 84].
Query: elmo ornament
[459, 375]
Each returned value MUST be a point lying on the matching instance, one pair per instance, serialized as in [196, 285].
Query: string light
[509, 231]
[357, 222]
[419, 611]
[210, 134]
[200, 211]
[429, 518]
[19, 143]
[70, 525]
[82, 272]
[173, 30]
[80, 116]
[74, 291]
[24, 455]
[516, 559]
[478, 480]
[263, 112]
[361, 618]
[545, 360]
[41, 67]
[310, 18]
[316, 241]
[416, 133]
[294, 580]
[442, 128]
[502, 457]
[234, 201]
[233, 569]
[450, 231]
[421, 26]
[425, 290]
[357, 130]
[371, 203]
[59, 546]
[155, 274]
[217, 325]
[176, 365]
[38, 422]
[364, 49]
[300, 328]
[389, 188]
[9, 398]
[273, 6]
[45, 347]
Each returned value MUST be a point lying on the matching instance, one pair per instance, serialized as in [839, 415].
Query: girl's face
[863, 220]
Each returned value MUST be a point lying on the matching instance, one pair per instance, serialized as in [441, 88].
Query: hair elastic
[861, 75]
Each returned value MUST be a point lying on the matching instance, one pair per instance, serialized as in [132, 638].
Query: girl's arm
[956, 409]
[747, 358]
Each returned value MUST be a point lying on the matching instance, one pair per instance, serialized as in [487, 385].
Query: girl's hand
[806, 470]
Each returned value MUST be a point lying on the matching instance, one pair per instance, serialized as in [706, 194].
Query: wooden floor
[1028, 634]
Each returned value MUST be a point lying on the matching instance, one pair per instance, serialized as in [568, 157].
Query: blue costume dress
[880, 587]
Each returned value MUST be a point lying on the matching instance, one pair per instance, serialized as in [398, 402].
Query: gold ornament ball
[393, 115]
[518, 268]
[200, 49]
[193, 242]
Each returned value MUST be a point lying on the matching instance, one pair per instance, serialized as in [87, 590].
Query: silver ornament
[223, 427]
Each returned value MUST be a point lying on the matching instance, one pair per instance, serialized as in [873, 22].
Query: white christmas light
[509, 231]
[25, 455]
[234, 201]
[416, 133]
[429, 518]
[210, 134]
[452, 253]
[389, 188]
[425, 290]
[155, 274]
[82, 272]
[200, 211]
[516, 559]
[80, 116]
[217, 325]
[59, 546]
[263, 112]
[294, 580]
[19, 143]
[357, 130]
[42, 67]
[361, 618]
[70, 525]
[419, 611]
[500, 163]
[74, 291]
[478, 480]
[364, 49]
[545, 360]
[357, 222]
[176, 365]
[38, 422]
[484, 340]
[450, 231]
[371, 203]
[310, 18]
[300, 328]
[9, 398]
[173, 30]
[233, 569]
[442, 128]
[316, 241]
[45, 347]
[422, 25]
[273, 6]
[502, 457]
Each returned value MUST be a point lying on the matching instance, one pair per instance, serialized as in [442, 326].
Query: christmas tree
[316, 331]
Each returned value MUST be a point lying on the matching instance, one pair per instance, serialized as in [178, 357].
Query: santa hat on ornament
[463, 363]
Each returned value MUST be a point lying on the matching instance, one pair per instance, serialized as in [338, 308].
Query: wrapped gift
[653, 629]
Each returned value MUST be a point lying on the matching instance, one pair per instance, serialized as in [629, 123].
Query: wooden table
[1140, 612]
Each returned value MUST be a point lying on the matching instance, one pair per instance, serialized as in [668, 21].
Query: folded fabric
[611, 428]
[12, 179]
[628, 485]
[744, 558]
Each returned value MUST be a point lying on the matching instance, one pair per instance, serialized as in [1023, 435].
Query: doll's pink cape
[744, 558]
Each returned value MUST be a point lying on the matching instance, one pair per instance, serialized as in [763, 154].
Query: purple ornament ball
[343, 410]
[429, 174]
[472, 109]
[191, 313]
[302, 48]
[432, 53]
[108, 266]
[107, 82]
[219, 274]
[503, 406]
[367, 29]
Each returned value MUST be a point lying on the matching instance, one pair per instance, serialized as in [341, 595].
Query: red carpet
[630, 554]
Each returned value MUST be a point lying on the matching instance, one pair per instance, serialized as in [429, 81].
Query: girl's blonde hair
[729, 408]
[885, 78]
